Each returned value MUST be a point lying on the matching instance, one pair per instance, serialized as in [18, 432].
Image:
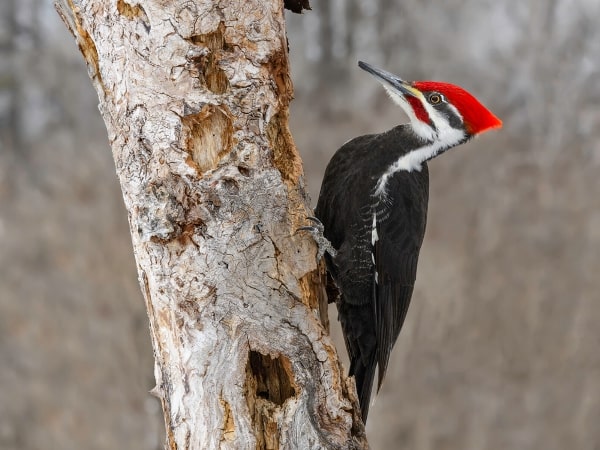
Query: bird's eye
[434, 99]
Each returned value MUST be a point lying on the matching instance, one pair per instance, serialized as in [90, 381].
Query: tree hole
[207, 65]
[271, 378]
[209, 136]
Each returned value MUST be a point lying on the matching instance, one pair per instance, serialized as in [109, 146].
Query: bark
[195, 98]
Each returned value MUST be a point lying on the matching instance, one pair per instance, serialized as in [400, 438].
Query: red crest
[477, 118]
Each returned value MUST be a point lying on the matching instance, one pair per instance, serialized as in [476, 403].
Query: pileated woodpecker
[373, 210]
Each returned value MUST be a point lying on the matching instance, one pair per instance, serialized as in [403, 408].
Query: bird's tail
[364, 376]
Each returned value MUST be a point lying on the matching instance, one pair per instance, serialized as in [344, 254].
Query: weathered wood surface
[195, 98]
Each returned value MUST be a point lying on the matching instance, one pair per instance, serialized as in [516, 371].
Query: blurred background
[501, 347]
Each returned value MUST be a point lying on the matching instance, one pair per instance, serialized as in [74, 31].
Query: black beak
[389, 79]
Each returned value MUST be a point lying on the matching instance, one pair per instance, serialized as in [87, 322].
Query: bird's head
[439, 112]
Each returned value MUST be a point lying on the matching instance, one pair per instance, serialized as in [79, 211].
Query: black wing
[400, 233]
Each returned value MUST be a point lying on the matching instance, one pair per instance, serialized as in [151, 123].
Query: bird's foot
[316, 231]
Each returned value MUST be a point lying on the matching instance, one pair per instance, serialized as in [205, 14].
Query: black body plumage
[375, 271]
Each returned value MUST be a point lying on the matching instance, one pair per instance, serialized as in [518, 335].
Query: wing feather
[396, 252]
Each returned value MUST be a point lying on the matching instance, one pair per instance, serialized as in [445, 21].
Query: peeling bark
[195, 98]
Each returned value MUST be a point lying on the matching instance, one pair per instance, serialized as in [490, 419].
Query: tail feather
[364, 376]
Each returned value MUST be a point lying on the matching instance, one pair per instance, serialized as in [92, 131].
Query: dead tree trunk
[195, 98]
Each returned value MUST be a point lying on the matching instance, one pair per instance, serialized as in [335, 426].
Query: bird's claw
[316, 231]
[317, 223]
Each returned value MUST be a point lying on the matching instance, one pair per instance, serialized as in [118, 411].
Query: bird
[372, 212]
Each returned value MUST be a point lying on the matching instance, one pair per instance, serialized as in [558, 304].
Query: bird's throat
[414, 159]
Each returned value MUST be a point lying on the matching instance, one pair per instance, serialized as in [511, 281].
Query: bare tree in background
[195, 99]
[8, 83]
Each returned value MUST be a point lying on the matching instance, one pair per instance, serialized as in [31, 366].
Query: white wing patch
[374, 235]
[374, 239]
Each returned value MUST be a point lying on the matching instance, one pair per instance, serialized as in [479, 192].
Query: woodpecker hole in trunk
[207, 65]
[269, 383]
[209, 137]
[285, 156]
[270, 378]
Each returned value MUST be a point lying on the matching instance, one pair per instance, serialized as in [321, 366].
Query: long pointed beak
[391, 80]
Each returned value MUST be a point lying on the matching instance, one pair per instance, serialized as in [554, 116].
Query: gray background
[501, 348]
